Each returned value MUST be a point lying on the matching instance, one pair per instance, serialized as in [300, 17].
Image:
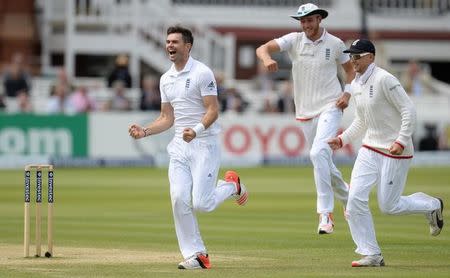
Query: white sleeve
[357, 128]
[342, 57]
[163, 92]
[396, 95]
[285, 42]
[207, 83]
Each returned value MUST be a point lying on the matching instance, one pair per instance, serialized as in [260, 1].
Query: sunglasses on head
[355, 57]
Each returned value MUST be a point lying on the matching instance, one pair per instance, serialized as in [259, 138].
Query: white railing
[137, 27]
[246, 3]
[409, 7]
[106, 28]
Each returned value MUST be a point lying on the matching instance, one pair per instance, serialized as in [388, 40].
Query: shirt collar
[362, 78]
[173, 71]
[321, 39]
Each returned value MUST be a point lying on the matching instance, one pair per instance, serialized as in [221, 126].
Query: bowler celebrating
[189, 101]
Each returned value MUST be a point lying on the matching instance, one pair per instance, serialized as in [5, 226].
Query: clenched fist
[188, 134]
[136, 131]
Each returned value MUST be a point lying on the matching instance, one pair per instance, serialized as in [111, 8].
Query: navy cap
[361, 46]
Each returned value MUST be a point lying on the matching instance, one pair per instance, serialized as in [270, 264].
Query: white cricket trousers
[327, 177]
[389, 175]
[193, 171]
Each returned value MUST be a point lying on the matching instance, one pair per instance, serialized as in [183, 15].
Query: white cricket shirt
[185, 90]
[384, 112]
[314, 71]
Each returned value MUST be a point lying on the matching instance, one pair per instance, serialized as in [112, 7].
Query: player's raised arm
[162, 123]
[264, 54]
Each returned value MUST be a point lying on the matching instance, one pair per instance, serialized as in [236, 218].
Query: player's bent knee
[319, 153]
[352, 213]
[388, 208]
[180, 204]
[356, 206]
[204, 206]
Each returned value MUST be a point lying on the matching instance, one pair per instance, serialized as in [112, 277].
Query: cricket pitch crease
[12, 255]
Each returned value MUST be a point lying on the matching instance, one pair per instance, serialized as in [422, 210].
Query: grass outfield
[118, 223]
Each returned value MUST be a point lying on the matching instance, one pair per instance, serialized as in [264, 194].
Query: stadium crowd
[66, 97]
[267, 93]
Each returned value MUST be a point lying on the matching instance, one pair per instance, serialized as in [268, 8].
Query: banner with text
[43, 135]
[101, 139]
[248, 140]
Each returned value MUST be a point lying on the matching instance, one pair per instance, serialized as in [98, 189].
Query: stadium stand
[70, 29]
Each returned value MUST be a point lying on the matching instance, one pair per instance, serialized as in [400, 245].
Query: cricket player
[319, 100]
[189, 101]
[386, 117]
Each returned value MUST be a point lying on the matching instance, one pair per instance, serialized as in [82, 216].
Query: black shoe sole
[440, 222]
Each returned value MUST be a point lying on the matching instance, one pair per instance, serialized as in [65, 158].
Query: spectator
[221, 90]
[16, 79]
[285, 102]
[416, 81]
[270, 102]
[59, 101]
[264, 79]
[81, 102]
[120, 72]
[220, 80]
[119, 102]
[23, 102]
[63, 79]
[265, 85]
[430, 141]
[150, 95]
[2, 102]
[444, 140]
[234, 101]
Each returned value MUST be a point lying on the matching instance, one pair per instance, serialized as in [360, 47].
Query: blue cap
[361, 46]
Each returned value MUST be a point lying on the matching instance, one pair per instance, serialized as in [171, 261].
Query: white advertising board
[247, 140]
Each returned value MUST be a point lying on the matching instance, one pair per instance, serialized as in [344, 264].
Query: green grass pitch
[117, 222]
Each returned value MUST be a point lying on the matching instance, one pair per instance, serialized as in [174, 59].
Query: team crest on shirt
[188, 83]
[371, 91]
[211, 86]
[327, 54]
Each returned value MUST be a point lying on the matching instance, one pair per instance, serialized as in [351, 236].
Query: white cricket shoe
[436, 219]
[241, 191]
[196, 261]
[370, 260]
[326, 223]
